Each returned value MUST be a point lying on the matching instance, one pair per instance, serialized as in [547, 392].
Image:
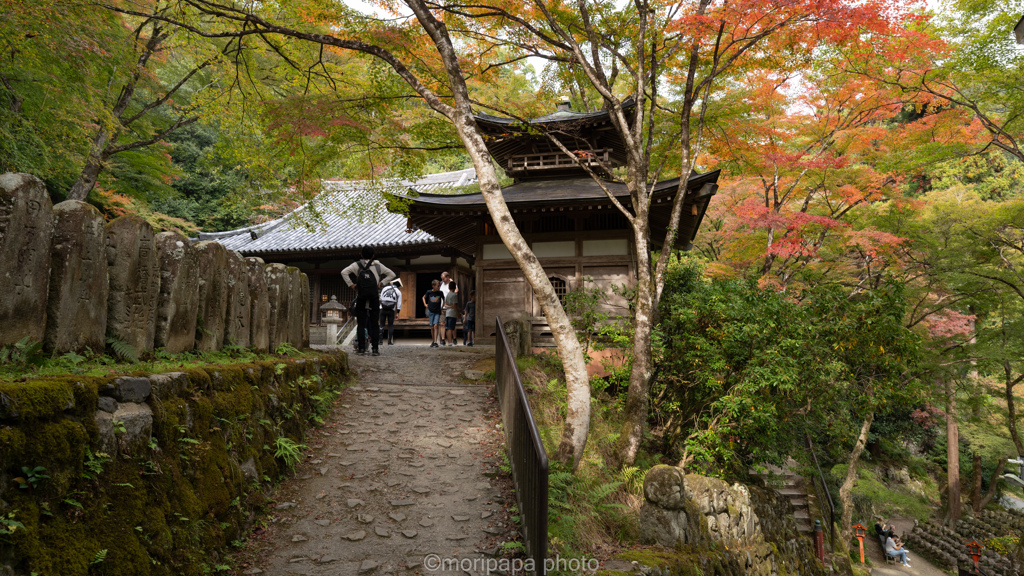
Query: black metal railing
[526, 453]
[828, 508]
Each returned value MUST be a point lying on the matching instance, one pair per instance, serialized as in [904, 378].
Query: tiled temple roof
[340, 229]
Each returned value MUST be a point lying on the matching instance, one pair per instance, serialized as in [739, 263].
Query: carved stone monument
[296, 321]
[213, 296]
[238, 316]
[134, 272]
[277, 295]
[76, 311]
[26, 226]
[305, 311]
[259, 306]
[178, 303]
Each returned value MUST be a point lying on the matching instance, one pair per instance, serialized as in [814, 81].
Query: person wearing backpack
[390, 305]
[366, 276]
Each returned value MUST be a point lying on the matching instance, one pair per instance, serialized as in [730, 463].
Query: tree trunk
[93, 166]
[993, 485]
[846, 490]
[637, 401]
[952, 457]
[976, 482]
[577, 421]
[1011, 408]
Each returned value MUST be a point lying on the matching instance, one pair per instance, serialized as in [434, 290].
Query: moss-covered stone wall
[149, 474]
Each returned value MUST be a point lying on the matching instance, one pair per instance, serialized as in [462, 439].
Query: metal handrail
[526, 454]
[831, 525]
[341, 332]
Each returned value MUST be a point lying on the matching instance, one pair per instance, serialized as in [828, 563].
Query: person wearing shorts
[451, 315]
[433, 300]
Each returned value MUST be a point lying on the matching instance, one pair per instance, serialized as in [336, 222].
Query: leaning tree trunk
[846, 490]
[93, 166]
[993, 486]
[952, 456]
[577, 421]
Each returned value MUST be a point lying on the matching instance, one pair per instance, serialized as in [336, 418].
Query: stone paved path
[404, 467]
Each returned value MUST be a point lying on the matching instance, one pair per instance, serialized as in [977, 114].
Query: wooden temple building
[571, 225]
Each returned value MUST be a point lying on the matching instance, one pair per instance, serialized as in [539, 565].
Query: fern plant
[633, 480]
[286, 349]
[23, 354]
[122, 350]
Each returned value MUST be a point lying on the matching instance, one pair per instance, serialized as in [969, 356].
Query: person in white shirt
[390, 306]
[895, 549]
[446, 279]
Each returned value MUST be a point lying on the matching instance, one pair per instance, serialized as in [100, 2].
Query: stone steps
[793, 490]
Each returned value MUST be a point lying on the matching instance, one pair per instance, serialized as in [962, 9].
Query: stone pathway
[403, 468]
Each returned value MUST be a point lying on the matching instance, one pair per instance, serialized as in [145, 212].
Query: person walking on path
[451, 314]
[367, 276]
[433, 300]
[390, 306]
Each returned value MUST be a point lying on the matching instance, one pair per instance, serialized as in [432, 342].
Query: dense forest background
[859, 277]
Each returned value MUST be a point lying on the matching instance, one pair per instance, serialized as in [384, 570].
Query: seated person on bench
[894, 548]
[883, 531]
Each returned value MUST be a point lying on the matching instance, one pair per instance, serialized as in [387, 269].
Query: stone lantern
[330, 314]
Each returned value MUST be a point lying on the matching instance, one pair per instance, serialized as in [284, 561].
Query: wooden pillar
[408, 294]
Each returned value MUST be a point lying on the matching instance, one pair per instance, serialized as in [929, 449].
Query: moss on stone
[170, 523]
[687, 561]
[40, 399]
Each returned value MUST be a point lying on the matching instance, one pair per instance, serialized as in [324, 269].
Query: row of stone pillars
[71, 281]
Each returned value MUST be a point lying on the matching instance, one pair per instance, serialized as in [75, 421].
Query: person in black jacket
[367, 276]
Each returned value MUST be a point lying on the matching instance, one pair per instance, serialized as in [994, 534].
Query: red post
[819, 542]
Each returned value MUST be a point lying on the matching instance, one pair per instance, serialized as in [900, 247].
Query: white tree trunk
[577, 422]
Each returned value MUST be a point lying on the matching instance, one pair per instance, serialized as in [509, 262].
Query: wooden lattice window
[611, 220]
[553, 223]
[561, 288]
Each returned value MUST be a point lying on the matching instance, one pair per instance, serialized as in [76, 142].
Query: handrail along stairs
[821, 487]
